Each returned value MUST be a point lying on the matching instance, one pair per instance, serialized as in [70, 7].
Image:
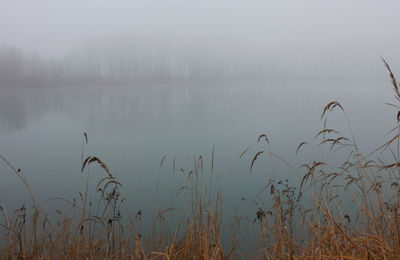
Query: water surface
[132, 128]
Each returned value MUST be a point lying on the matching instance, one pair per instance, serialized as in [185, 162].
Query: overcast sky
[320, 31]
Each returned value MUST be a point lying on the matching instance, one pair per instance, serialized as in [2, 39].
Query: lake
[131, 128]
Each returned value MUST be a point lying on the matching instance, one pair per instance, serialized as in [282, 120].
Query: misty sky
[354, 33]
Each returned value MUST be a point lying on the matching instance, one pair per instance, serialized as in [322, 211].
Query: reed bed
[309, 219]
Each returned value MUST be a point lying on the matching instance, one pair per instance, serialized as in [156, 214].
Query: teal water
[132, 128]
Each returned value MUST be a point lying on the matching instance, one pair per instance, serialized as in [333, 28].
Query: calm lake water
[132, 128]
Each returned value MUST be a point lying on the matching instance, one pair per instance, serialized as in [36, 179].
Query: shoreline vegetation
[307, 220]
[127, 63]
[147, 61]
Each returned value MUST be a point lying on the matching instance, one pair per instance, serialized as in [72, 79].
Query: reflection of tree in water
[21, 107]
[14, 114]
[117, 109]
[121, 109]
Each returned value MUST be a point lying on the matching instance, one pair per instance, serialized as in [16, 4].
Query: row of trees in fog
[124, 62]
[20, 69]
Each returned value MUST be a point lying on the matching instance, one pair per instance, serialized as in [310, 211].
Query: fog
[148, 79]
[200, 39]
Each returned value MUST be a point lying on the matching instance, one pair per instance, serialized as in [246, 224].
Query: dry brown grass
[346, 212]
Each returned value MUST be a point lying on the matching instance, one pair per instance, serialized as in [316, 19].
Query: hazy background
[299, 39]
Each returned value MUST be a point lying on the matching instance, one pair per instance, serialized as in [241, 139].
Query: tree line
[124, 63]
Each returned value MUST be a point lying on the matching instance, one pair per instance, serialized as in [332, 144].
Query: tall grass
[349, 211]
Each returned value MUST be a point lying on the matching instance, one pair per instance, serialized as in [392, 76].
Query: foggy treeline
[116, 61]
[20, 69]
